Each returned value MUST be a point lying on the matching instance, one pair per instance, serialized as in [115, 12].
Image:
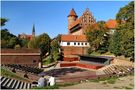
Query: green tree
[97, 37]
[33, 44]
[44, 44]
[3, 21]
[12, 42]
[122, 42]
[8, 40]
[127, 43]
[125, 17]
[24, 43]
[115, 45]
[55, 49]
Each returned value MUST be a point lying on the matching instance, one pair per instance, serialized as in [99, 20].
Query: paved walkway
[121, 83]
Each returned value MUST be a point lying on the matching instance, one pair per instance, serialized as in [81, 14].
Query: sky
[51, 16]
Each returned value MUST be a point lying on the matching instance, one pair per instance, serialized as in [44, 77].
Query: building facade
[30, 57]
[29, 37]
[75, 42]
[77, 25]
[111, 25]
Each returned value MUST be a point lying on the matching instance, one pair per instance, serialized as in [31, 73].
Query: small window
[68, 43]
[74, 43]
[85, 43]
[82, 43]
[78, 43]
[34, 61]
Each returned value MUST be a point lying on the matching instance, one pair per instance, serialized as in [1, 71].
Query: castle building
[75, 42]
[77, 25]
[29, 37]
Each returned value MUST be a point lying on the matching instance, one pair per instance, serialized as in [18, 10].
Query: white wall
[72, 44]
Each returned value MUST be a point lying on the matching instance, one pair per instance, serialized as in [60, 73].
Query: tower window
[85, 43]
[78, 43]
[68, 43]
[74, 43]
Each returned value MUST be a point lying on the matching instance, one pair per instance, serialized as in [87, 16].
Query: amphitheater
[64, 74]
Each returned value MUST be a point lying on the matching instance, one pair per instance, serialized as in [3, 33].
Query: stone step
[3, 81]
[24, 87]
[14, 83]
[10, 82]
[6, 82]
[21, 86]
[17, 85]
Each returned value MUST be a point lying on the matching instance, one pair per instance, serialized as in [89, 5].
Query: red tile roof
[81, 38]
[111, 23]
[72, 13]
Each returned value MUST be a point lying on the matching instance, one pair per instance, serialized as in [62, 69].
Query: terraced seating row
[23, 68]
[7, 83]
[117, 69]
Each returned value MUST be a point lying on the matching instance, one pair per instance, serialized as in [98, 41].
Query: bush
[89, 51]
[17, 46]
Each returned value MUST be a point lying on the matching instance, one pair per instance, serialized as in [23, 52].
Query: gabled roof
[72, 13]
[111, 23]
[77, 38]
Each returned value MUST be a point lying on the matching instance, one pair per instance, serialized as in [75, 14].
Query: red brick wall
[20, 59]
[71, 59]
[74, 50]
[67, 64]
[88, 66]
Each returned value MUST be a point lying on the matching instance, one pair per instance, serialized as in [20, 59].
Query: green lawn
[110, 80]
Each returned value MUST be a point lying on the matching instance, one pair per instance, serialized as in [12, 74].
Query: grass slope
[9, 74]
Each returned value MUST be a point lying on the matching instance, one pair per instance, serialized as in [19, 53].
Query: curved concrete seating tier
[8, 83]
[117, 68]
[23, 68]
